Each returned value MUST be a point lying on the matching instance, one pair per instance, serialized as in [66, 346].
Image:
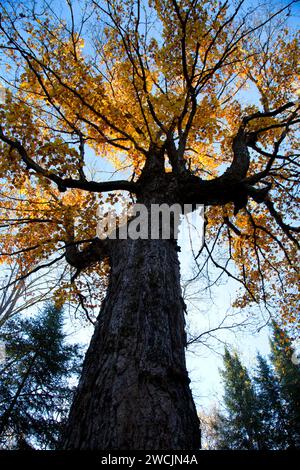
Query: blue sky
[205, 359]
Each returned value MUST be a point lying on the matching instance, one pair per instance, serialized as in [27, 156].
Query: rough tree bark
[134, 392]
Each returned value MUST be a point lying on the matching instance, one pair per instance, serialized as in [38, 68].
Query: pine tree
[35, 387]
[262, 413]
[272, 413]
[240, 427]
[288, 373]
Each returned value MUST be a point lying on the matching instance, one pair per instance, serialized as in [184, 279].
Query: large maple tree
[199, 101]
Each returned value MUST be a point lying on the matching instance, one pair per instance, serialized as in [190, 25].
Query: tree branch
[96, 251]
[65, 183]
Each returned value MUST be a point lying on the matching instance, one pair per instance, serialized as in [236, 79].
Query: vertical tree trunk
[134, 391]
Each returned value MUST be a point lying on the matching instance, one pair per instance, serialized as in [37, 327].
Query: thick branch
[272, 113]
[66, 183]
[96, 251]
[226, 188]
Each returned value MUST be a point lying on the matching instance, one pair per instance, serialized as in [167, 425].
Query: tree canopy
[205, 92]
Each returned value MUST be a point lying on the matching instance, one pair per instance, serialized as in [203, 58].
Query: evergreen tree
[288, 373]
[240, 428]
[263, 413]
[35, 387]
[272, 414]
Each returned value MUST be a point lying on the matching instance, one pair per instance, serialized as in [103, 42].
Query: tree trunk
[134, 391]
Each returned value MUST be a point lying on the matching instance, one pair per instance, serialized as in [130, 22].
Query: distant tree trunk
[134, 391]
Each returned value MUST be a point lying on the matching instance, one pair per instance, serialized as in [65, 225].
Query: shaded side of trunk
[134, 391]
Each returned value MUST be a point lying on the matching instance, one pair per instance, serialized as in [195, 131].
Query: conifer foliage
[36, 380]
[262, 409]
